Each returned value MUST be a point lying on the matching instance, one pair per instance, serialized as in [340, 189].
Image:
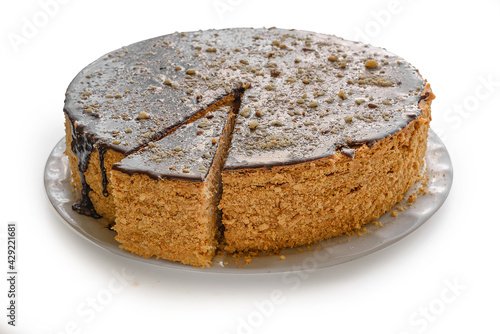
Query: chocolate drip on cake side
[101, 150]
[82, 146]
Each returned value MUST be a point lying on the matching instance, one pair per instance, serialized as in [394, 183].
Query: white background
[402, 289]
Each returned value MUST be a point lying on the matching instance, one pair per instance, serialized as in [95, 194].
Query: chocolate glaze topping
[303, 96]
[185, 154]
[101, 150]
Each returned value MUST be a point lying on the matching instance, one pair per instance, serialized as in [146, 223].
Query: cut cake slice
[167, 194]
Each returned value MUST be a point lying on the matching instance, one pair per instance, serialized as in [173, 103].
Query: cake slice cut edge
[171, 213]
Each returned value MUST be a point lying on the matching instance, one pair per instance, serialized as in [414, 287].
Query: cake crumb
[371, 63]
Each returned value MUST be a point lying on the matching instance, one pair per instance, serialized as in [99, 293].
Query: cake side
[162, 218]
[267, 209]
[159, 213]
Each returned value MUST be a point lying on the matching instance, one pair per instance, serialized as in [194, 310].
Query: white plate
[323, 254]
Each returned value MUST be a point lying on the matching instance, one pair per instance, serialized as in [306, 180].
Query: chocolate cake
[327, 135]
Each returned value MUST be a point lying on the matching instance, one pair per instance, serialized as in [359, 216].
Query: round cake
[243, 140]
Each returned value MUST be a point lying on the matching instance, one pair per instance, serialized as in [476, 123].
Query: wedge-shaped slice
[167, 194]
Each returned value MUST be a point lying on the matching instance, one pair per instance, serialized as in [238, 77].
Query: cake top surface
[317, 94]
[138, 93]
[187, 153]
[306, 95]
